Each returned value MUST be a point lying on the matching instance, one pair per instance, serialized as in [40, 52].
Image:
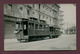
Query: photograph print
[39, 27]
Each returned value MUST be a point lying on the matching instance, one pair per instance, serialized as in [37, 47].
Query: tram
[28, 29]
[54, 32]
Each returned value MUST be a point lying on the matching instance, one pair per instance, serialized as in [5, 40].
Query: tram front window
[17, 28]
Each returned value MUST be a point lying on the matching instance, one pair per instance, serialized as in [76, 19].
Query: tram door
[25, 28]
[21, 30]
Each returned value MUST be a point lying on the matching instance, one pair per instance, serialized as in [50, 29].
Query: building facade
[61, 19]
[47, 12]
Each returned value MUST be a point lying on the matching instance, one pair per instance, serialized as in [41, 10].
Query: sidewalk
[68, 34]
[9, 41]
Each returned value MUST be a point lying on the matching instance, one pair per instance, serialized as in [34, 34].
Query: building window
[50, 19]
[21, 8]
[39, 16]
[33, 5]
[46, 17]
[39, 6]
[33, 12]
[43, 16]
[10, 5]
[47, 9]
[53, 12]
[43, 6]
[50, 10]
[53, 5]
[28, 12]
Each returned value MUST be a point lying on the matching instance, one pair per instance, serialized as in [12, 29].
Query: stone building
[60, 24]
[61, 18]
[13, 12]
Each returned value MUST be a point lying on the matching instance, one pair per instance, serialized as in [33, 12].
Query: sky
[69, 12]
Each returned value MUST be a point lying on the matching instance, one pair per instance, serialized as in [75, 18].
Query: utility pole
[67, 27]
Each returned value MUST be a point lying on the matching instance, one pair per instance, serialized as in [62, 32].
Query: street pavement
[63, 42]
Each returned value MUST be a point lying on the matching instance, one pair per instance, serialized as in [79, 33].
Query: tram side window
[31, 25]
[17, 26]
[40, 27]
[36, 26]
[55, 30]
[51, 29]
[44, 26]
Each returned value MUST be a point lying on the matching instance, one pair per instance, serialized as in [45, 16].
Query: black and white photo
[29, 27]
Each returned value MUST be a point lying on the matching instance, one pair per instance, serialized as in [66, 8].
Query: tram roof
[33, 18]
